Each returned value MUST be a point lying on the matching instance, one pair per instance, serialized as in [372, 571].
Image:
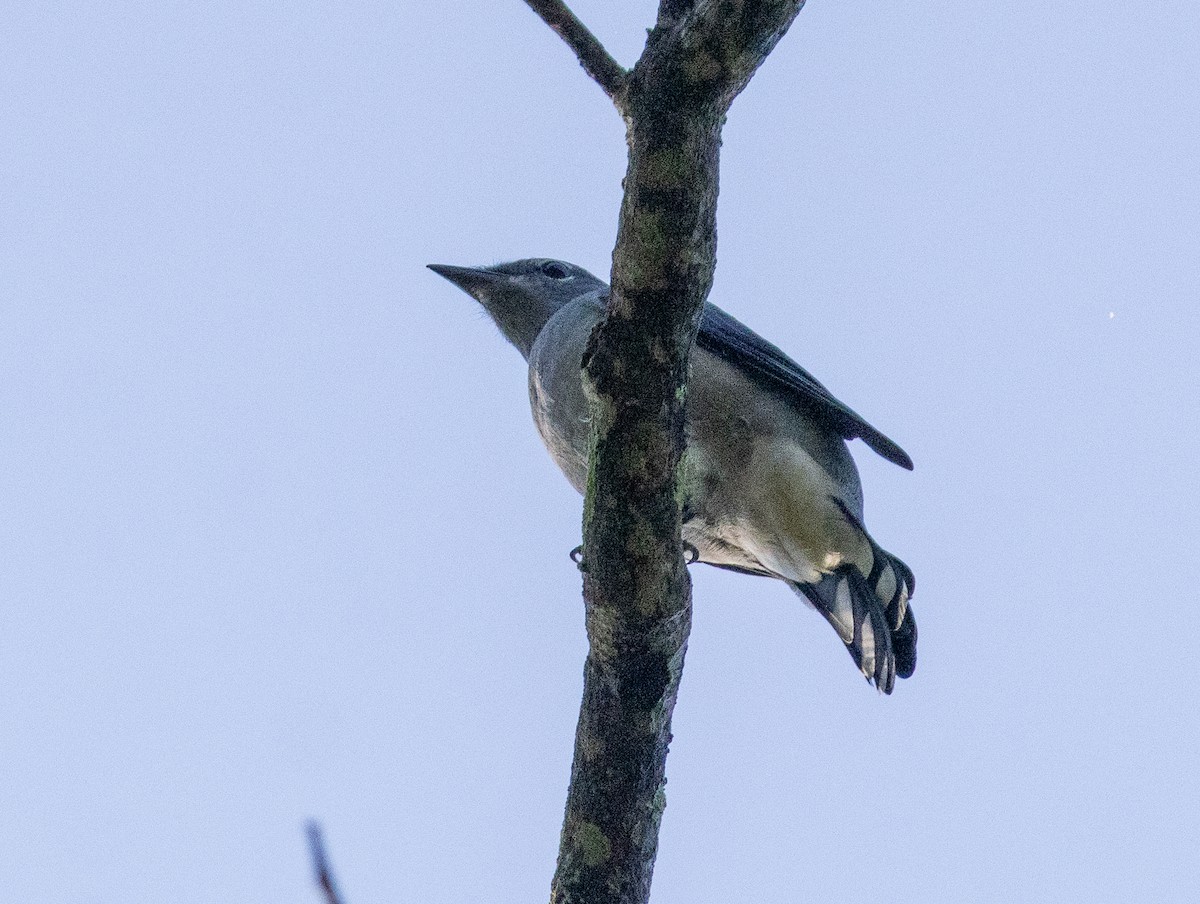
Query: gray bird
[769, 484]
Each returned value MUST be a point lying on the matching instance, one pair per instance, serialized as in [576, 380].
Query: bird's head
[522, 295]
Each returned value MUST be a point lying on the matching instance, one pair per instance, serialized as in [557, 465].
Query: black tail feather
[904, 643]
[901, 617]
[872, 616]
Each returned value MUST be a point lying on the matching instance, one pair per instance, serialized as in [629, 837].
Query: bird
[769, 485]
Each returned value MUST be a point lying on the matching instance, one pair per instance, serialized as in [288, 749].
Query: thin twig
[595, 60]
[320, 861]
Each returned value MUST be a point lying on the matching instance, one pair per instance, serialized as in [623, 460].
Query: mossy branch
[698, 57]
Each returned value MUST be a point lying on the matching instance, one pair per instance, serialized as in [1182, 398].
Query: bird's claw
[690, 555]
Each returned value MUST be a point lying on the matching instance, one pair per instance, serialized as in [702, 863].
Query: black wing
[727, 338]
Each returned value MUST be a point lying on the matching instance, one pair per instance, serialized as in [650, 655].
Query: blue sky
[278, 539]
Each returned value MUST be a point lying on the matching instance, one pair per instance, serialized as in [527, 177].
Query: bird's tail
[871, 614]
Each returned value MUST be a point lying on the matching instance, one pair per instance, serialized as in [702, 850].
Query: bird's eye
[554, 270]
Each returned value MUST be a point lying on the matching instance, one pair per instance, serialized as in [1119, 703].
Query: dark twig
[320, 861]
[595, 60]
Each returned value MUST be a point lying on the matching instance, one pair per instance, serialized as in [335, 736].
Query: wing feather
[725, 336]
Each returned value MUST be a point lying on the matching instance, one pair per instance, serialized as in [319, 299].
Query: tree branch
[322, 871]
[671, 11]
[595, 60]
[636, 588]
[723, 42]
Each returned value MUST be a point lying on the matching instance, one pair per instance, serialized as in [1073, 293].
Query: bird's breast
[556, 396]
[563, 425]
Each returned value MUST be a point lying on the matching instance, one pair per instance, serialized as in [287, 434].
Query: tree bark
[636, 589]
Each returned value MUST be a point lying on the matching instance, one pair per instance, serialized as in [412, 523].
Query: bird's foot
[690, 555]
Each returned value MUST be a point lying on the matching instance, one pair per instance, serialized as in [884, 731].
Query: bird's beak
[471, 280]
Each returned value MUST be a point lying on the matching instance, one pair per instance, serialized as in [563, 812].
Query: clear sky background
[278, 538]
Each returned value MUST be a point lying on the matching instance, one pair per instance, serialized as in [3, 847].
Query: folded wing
[725, 336]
